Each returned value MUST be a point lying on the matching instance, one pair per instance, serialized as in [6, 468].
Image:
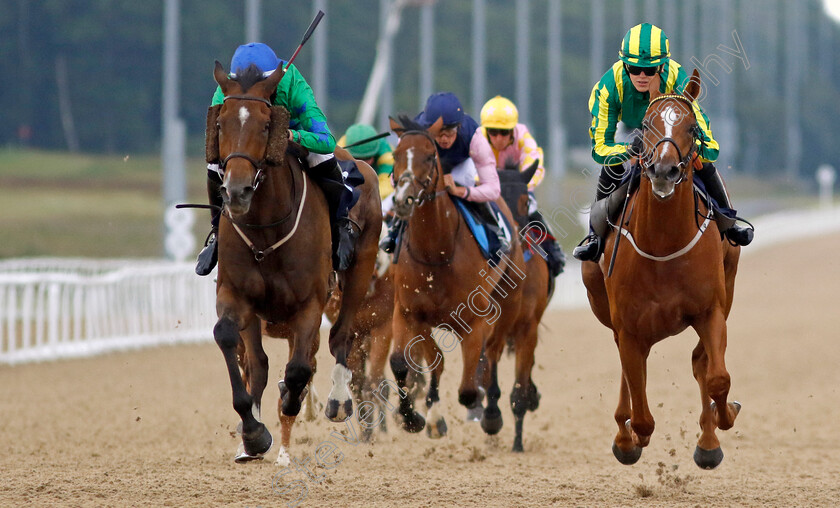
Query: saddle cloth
[487, 240]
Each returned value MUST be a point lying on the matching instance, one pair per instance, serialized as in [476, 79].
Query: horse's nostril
[224, 192]
[247, 192]
[673, 173]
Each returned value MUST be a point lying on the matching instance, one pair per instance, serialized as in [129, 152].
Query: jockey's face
[500, 138]
[446, 137]
[642, 81]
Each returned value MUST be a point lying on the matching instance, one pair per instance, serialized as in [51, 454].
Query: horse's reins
[692, 157]
[259, 255]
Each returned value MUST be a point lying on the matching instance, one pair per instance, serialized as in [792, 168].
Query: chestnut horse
[671, 272]
[275, 259]
[536, 293]
[442, 281]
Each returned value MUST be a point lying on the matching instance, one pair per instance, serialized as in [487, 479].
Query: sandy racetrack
[155, 427]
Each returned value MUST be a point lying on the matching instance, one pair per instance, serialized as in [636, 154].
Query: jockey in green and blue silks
[308, 127]
[622, 95]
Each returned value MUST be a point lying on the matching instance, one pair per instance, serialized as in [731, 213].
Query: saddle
[482, 227]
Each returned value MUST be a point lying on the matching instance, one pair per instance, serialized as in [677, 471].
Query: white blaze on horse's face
[243, 116]
[667, 115]
[402, 203]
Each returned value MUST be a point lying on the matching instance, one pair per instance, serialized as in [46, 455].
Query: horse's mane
[248, 77]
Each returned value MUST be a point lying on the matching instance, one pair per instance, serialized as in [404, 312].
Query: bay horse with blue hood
[275, 258]
[672, 270]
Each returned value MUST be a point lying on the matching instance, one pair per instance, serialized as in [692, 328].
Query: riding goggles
[635, 71]
[499, 132]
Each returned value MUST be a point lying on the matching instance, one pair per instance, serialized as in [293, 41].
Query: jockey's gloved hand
[637, 147]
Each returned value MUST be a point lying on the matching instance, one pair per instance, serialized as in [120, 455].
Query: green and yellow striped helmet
[645, 45]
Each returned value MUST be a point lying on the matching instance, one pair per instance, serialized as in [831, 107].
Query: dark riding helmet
[255, 53]
[442, 105]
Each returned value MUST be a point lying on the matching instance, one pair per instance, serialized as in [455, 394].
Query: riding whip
[306, 37]
[367, 140]
[618, 233]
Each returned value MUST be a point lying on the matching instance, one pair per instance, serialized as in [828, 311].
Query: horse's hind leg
[436, 427]
[256, 439]
[524, 396]
[710, 372]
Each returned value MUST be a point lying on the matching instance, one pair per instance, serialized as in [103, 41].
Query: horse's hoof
[414, 423]
[627, 458]
[257, 445]
[367, 435]
[437, 429]
[283, 458]
[517, 445]
[491, 422]
[339, 411]
[708, 459]
[474, 414]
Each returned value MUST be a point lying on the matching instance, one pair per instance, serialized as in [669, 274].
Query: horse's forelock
[409, 124]
[249, 77]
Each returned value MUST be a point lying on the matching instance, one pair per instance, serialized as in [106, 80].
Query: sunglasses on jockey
[647, 71]
[498, 132]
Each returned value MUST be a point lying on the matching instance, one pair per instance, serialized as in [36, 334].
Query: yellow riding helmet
[499, 113]
[644, 45]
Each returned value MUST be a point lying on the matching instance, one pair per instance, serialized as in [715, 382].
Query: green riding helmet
[645, 45]
[357, 132]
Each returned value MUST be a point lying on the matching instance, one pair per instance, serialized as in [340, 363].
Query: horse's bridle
[427, 186]
[258, 165]
[647, 160]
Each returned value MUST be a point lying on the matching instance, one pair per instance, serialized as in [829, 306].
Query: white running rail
[53, 309]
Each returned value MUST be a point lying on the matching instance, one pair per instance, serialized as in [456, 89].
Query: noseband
[694, 130]
[425, 194]
[258, 165]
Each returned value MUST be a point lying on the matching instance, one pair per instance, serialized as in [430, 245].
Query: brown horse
[371, 340]
[442, 280]
[670, 273]
[275, 259]
[536, 293]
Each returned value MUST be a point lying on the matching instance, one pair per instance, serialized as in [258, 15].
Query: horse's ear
[692, 89]
[269, 84]
[221, 77]
[211, 135]
[528, 174]
[436, 127]
[653, 86]
[396, 126]
[278, 136]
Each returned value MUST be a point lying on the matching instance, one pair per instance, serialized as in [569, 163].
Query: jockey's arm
[709, 149]
[487, 188]
[605, 109]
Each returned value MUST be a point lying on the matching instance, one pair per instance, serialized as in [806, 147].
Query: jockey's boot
[711, 178]
[492, 222]
[608, 181]
[555, 258]
[389, 244]
[209, 255]
[339, 196]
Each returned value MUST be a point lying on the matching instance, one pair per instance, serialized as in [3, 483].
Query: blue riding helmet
[442, 104]
[255, 53]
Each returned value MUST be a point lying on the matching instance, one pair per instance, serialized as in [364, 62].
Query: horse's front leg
[254, 368]
[524, 396]
[233, 317]
[633, 354]
[407, 334]
[471, 348]
[491, 419]
[710, 372]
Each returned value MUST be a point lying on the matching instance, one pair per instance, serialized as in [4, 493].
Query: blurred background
[105, 102]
